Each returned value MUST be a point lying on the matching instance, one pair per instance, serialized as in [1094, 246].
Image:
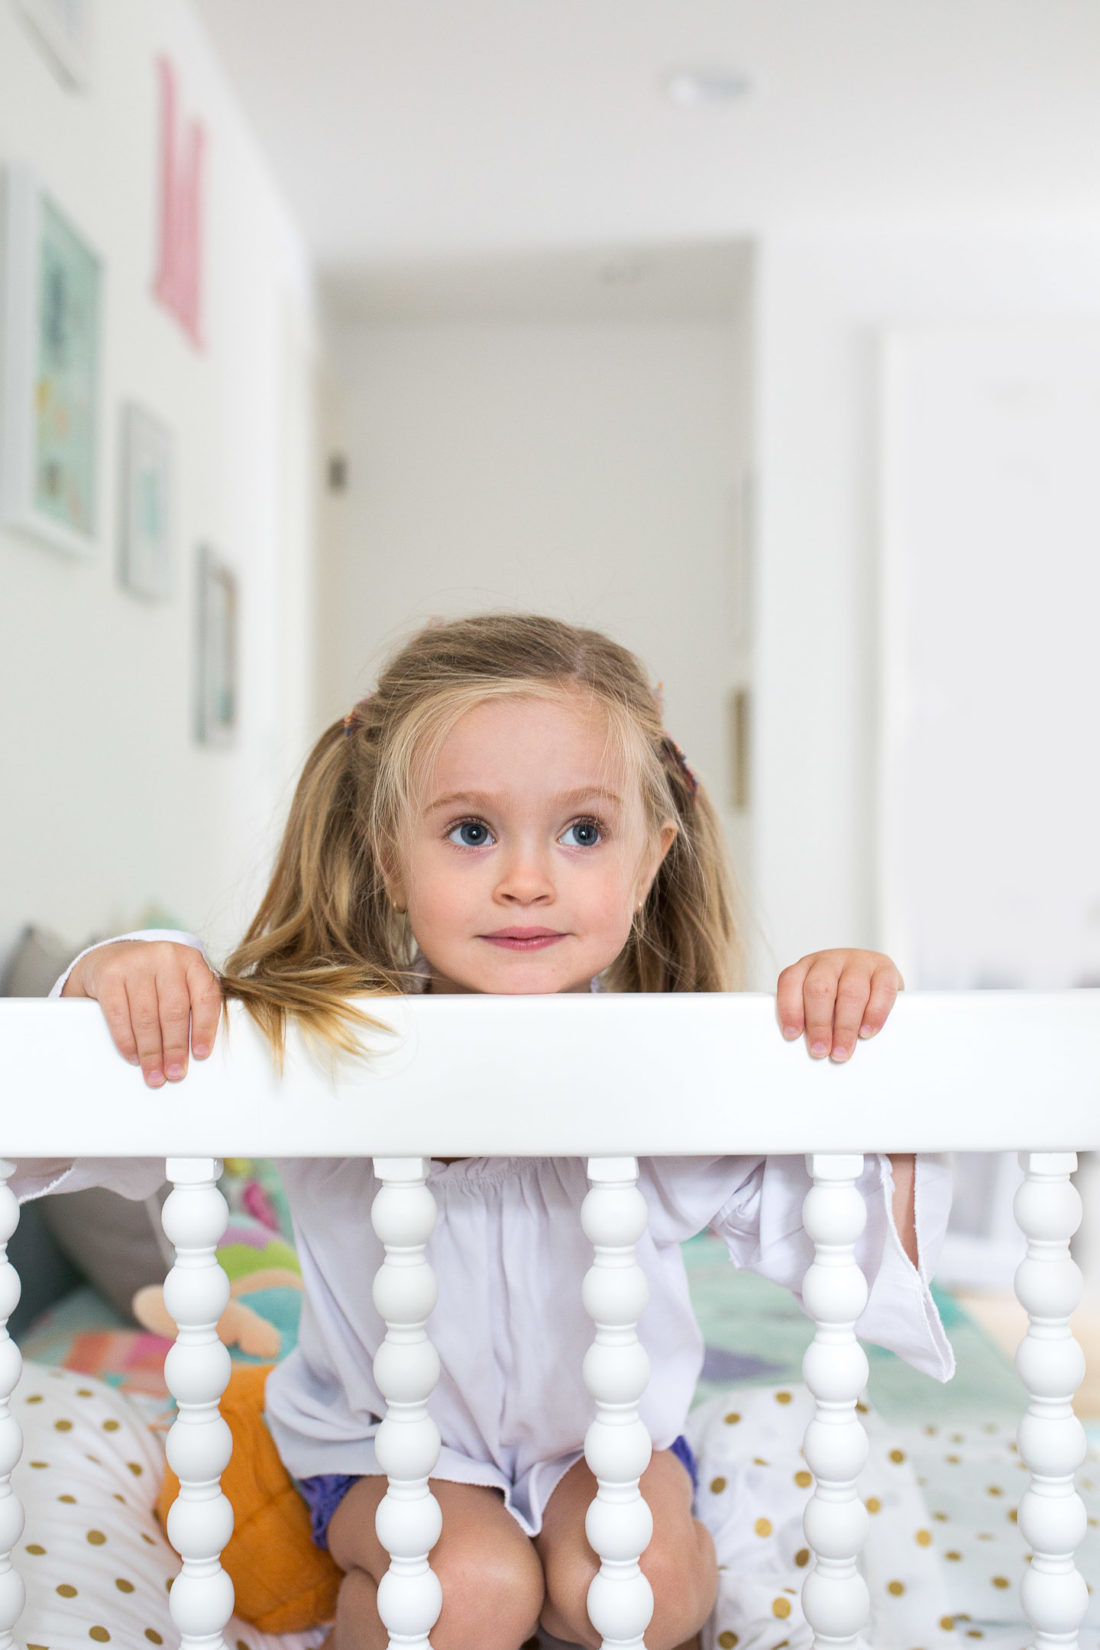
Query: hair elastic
[349, 719]
[692, 778]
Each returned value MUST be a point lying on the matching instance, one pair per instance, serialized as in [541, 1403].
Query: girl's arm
[141, 983]
[160, 998]
[904, 1203]
[837, 997]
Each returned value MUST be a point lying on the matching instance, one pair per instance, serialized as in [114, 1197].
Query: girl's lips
[519, 939]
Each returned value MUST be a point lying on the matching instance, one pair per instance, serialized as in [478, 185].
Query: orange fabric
[284, 1584]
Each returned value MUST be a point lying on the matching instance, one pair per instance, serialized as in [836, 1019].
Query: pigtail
[326, 930]
[685, 937]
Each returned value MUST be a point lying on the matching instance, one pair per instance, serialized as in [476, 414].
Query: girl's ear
[666, 836]
[395, 884]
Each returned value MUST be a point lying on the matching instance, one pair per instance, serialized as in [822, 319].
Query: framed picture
[63, 29]
[742, 533]
[50, 345]
[740, 732]
[216, 651]
[145, 513]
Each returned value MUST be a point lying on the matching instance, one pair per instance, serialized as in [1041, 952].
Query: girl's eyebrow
[483, 799]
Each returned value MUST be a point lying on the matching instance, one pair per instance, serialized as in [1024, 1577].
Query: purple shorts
[324, 1493]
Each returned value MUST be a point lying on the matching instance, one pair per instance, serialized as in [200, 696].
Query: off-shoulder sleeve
[132, 1177]
[761, 1225]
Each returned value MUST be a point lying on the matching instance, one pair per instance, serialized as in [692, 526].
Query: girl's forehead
[528, 746]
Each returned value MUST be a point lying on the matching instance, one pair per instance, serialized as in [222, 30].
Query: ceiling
[507, 154]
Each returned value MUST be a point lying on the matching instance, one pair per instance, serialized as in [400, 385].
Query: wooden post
[196, 1293]
[834, 1293]
[617, 1447]
[406, 1368]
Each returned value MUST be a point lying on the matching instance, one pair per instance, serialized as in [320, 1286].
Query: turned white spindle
[834, 1293]
[1051, 1365]
[617, 1446]
[11, 1439]
[196, 1293]
[406, 1368]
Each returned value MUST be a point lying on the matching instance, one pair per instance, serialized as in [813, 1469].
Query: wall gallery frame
[146, 504]
[63, 28]
[216, 650]
[51, 323]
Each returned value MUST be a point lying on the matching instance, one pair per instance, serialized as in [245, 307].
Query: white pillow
[95, 1562]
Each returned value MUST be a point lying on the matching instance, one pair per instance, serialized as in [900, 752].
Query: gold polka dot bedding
[93, 1558]
[943, 1555]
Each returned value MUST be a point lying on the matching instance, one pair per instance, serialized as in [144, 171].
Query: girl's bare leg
[679, 1562]
[491, 1577]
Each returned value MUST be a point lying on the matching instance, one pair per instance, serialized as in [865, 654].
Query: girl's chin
[529, 981]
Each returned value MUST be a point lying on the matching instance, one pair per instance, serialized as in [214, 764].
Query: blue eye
[585, 833]
[472, 833]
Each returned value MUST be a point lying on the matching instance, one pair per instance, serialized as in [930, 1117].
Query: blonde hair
[326, 930]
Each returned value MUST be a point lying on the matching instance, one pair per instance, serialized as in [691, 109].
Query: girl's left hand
[836, 997]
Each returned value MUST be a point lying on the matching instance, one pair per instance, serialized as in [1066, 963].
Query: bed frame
[603, 1077]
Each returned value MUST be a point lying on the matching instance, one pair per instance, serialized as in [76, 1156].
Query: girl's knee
[356, 1622]
[682, 1569]
[491, 1599]
[492, 1594]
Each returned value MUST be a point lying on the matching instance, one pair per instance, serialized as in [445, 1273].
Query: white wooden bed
[607, 1078]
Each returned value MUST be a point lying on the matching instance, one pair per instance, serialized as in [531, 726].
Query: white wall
[109, 804]
[824, 299]
[578, 468]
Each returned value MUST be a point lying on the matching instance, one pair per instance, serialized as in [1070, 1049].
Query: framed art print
[215, 651]
[50, 347]
[145, 514]
[63, 30]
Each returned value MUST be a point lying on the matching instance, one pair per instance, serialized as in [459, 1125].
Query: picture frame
[146, 504]
[741, 542]
[216, 650]
[63, 30]
[51, 323]
[740, 734]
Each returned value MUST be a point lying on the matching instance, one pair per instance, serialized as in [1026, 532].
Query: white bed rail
[601, 1078]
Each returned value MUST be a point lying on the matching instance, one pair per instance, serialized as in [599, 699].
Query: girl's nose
[525, 878]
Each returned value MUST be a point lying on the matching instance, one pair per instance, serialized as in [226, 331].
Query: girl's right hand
[153, 993]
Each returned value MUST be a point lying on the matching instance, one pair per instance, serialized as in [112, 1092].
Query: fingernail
[819, 1048]
[867, 1031]
[133, 1059]
[154, 1079]
[174, 1070]
[839, 1052]
[200, 1051]
[791, 1032]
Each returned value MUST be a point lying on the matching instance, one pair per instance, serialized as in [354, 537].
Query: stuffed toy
[283, 1582]
[258, 1264]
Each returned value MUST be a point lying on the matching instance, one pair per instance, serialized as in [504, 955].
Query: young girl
[506, 814]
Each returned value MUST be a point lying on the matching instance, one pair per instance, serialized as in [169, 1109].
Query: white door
[990, 780]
